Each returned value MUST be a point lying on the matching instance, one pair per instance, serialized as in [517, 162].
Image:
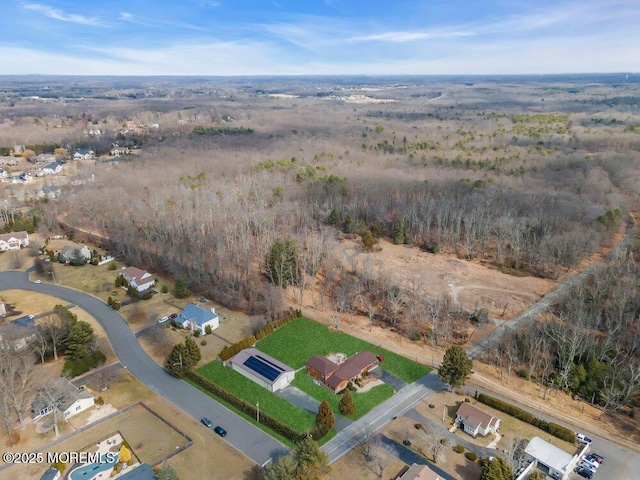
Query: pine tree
[347, 407]
[496, 469]
[456, 366]
[80, 341]
[175, 362]
[192, 351]
[325, 420]
[334, 218]
[283, 263]
[312, 463]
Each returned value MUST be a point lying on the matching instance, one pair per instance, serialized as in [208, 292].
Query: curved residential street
[247, 438]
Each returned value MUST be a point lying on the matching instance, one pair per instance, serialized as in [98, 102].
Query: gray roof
[243, 361]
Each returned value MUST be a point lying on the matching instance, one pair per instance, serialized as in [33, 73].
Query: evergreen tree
[283, 263]
[167, 472]
[192, 351]
[399, 234]
[535, 475]
[80, 340]
[368, 241]
[349, 225]
[77, 258]
[181, 289]
[282, 468]
[456, 366]
[334, 218]
[176, 360]
[496, 469]
[325, 420]
[312, 463]
[347, 407]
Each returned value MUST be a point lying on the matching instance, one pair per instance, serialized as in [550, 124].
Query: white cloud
[58, 14]
[410, 36]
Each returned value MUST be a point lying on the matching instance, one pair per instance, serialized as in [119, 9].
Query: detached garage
[559, 462]
[263, 369]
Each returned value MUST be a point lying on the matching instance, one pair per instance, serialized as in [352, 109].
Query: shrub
[459, 449]
[552, 428]
[418, 426]
[196, 333]
[203, 343]
[164, 289]
[208, 330]
[99, 400]
[112, 266]
[471, 456]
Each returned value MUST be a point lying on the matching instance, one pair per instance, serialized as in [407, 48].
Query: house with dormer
[475, 421]
[137, 278]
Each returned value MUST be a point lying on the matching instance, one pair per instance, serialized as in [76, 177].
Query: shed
[263, 369]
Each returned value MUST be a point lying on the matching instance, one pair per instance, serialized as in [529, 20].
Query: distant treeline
[213, 131]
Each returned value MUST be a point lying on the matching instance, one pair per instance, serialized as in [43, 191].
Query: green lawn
[299, 340]
[251, 392]
[364, 402]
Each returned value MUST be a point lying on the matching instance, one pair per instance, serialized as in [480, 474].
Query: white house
[118, 151]
[474, 421]
[68, 251]
[73, 402]
[196, 318]
[262, 369]
[13, 241]
[137, 278]
[559, 462]
[84, 155]
[52, 168]
[50, 192]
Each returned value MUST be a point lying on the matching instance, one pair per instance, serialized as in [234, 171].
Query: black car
[584, 472]
[206, 422]
[220, 431]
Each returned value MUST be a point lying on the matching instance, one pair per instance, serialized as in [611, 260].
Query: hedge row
[230, 350]
[243, 406]
[553, 428]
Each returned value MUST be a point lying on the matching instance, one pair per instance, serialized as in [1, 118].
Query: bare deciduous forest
[528, 176]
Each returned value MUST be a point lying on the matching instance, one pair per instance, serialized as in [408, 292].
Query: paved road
[563, 288]
[377, 418]
[251, 441]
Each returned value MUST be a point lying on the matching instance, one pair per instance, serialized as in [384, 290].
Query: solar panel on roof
[264, 369]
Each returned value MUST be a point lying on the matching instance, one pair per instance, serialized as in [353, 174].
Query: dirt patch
[468, 283]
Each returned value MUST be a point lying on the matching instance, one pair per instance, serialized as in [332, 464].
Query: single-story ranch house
[336, 373]
[74, 402]
[138, 279]
[419, 472]
[196, 318]
[559, 462]
[13, 241]
[474, 421]
[263, 369]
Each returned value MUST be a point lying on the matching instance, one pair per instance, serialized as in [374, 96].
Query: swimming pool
[89, 472]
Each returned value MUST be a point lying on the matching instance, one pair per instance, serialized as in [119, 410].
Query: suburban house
[84, 155]
[474, 421]
[49, 192]
[559, 462]
[336, 371]
[44, 158]
[137, 278]
[4, 173]
[118, 151]
[18, 332]
[52, 168]
[419, 472]
[73, 402]
[7, 160]
[196, 318]
[13, 241]
[68, 251]
[262, 369]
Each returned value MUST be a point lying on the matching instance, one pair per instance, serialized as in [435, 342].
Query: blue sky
[309, 37]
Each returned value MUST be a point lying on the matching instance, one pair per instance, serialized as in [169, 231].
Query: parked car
[37, 281]
[587, 466]
[163, 319]
[597, 457]
[173, 315]
[583, 472]
[583, 438]
[220, 431]
[590, 461]
[206, 422]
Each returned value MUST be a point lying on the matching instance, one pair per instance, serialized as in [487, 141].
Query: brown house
[337, 374]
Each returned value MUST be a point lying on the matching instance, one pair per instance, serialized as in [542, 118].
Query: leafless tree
[52, 394]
